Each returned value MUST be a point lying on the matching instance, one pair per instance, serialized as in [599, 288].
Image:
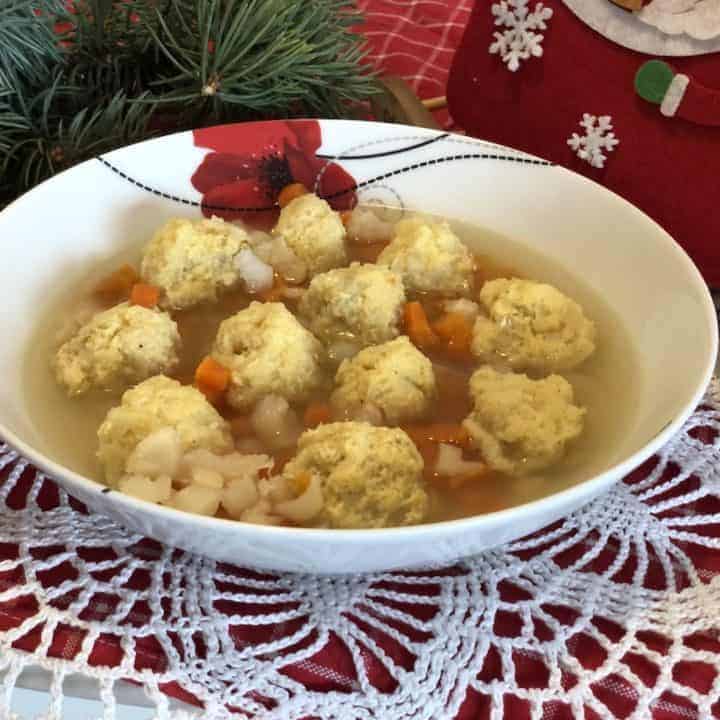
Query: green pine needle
[28, 44]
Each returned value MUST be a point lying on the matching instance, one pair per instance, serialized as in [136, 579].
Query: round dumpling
[268, 352]
[394, 377]
[430, 258]
[117, 348]
[193, 261]
[531, 326]
[314, 232]
[159, 402]
[360, 304]
[521, 425]
[370, 477]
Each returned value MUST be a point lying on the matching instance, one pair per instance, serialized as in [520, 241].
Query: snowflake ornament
[598, 137]
[518, 41]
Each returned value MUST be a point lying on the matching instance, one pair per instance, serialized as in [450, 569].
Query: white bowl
[100, 206]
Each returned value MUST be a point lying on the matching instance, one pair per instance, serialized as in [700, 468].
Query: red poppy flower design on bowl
[252, 162]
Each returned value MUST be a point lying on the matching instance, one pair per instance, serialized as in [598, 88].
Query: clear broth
[607, 384]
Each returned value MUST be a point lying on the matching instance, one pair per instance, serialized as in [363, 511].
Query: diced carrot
[290, 192]
[417, 326]
[345, 216]
[275, 293]
[456, 331]
[117, 284]
[434, 306]
[477, 498]
[301, 482]
[145, 295]
[211, 375]
[437, 433]
[316, 414]
[240, 426]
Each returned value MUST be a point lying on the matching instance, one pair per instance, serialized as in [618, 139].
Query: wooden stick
[436, 103]
[631, 5]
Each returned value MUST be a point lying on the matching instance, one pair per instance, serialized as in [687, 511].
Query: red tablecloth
[416, 39]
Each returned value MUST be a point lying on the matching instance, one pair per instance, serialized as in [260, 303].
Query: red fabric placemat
[416, 39]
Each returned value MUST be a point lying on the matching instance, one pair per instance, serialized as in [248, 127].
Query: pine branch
[78, 82]
[232, 60]
[40, 138]
[28, 43]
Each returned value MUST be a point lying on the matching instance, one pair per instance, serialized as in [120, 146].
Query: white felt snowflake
[598, 137]
[518, 41]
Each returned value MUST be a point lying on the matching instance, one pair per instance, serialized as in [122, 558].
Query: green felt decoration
[652, 80]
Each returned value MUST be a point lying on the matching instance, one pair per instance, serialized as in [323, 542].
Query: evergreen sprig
[79, 80]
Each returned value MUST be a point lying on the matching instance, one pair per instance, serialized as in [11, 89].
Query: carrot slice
[437, 433]
[290, 192]
[211, 375]
[316, 414]
[417, 326]
[117, 284]
[145, 295]
[456, 331]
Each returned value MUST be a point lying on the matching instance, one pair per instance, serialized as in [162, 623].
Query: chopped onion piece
[285, 262]
[207, 478]
[342, 349]
[275, 489]
[275, 422]
[304, 507]
[366, 227]
[196, 499]
[229, 466]
[464, 307]
[450, 463]
[154, 490]
[256, 274]
[157, 454]
[238, 496]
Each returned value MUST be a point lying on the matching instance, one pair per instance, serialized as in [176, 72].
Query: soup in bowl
[403, 349]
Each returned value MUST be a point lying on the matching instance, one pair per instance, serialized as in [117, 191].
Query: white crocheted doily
[612, 605]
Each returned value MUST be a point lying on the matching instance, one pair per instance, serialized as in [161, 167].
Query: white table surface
[31, 698]
[31, 704]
